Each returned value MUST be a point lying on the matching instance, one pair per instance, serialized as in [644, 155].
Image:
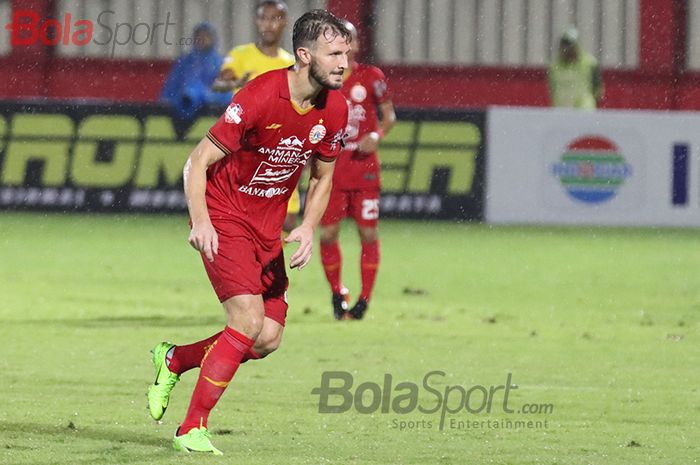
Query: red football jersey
[268, 141]
[364, 89]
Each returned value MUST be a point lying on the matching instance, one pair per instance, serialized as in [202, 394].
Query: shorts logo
[358, 93]
[233, 114]
[317, 134]
[273, 174]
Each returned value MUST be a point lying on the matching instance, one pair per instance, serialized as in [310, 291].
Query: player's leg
[235, 275]
[254, 330]
[365, 212]
[245, 317]
[331, 255]
[235, 262]
[180, 359]
[275, 282]
[170, 362]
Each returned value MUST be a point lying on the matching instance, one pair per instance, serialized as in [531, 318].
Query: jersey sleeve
[379, 86]
[332, 142]
[239, 117]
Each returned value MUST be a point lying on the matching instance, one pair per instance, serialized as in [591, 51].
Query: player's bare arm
[203, 237]
[370, 141]
[320, 184]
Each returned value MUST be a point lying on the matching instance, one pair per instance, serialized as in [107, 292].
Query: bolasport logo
[28, 28]
[439, 405]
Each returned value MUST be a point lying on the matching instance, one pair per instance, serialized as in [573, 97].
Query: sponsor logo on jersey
[358, 93]
[233, 113]
[273, 126]
[291, 143]
[338, 137]
[317, 133]
[288, 151]
[267, 192]
[273, 174]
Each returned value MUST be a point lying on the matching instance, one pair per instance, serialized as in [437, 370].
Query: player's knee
[329, 234]
[247, 317]
[369, 234]
[267, 347]
[268, 342]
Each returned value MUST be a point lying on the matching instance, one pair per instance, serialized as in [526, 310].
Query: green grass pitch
[600, 323]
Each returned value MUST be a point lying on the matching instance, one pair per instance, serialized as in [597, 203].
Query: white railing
[5, 18]
[504, 32]
[693, 36]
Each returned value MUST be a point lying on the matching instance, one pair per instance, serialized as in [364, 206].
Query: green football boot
[196, 440]
[159, 391]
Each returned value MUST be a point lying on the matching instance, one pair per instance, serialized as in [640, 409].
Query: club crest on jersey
[317, 134]
[358, 93]
[233, 113]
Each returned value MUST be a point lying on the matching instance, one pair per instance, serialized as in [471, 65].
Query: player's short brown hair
[312, 24]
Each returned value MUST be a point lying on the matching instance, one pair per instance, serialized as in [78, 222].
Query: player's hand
[305, 236]
[203, 237]
[226, 82]
[368, 143]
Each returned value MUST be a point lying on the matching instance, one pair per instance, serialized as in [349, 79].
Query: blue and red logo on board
[592, 169]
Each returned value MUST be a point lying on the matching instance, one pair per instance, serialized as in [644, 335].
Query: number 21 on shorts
[370, 209]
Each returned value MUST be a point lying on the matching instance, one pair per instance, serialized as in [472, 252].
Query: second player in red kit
[237, 182]
[356, 181]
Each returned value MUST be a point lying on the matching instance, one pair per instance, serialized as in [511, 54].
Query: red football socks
[332, 260]
[190, 356]
[218, 367]
[369, 262]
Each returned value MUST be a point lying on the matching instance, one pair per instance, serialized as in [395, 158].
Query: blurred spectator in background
[574, 75]
[248, 61]
[188, 86]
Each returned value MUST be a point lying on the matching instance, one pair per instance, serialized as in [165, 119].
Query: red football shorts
[360, 205]
[244, 265]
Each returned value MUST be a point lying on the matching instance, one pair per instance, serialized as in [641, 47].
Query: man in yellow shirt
[248, 61]
[574, 76]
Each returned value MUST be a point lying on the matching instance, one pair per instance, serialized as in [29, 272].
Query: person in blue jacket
[187, 88]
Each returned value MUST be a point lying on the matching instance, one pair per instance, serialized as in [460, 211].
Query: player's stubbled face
[329, 60]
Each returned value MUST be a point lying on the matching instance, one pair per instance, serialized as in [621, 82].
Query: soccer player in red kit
[237, 182]
[356, 184]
